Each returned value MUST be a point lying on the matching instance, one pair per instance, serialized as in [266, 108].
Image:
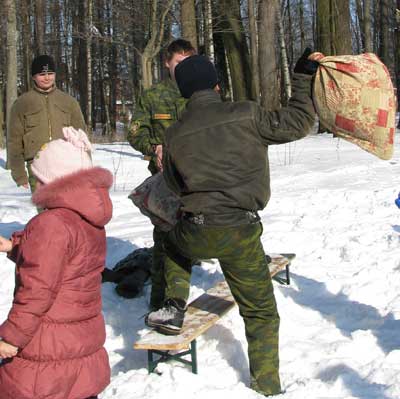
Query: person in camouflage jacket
[158, 108]
[216, 159]
[38, 117]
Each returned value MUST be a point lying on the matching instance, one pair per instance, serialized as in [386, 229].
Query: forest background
[108, 52]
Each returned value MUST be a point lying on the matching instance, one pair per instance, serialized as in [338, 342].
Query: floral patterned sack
[355, 99]
[156, 201]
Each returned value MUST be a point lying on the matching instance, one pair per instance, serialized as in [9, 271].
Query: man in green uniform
[38, 117]
[216, 159]
[158, 108]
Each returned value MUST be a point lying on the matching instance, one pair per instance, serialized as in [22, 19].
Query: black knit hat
[42, 64]
[195, 73]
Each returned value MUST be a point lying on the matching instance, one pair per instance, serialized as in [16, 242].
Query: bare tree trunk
[340, 10]
[324, 38]
[384, 33]
[236, 50]
[188, 20]
[301, 23]
[284, 60]
[254, 49]
[26, 44]
[12, 39]
[1, 117]
[397, 53]
[367, 27]
[153, 46]
[266, 54]
[360, 17]
[290, 41]
[89, 25]
[40, 26]
[208, 30]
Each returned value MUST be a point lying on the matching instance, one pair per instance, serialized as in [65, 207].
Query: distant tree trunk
[40, 26]
[188, 21]
[284, 60]
[12, 39]
[208, 29]
[290, 41]
[255, 73]
[397, 53]
[324, 38]
[266, 54]
[384, 25]
[1, 117]
[341, 33]
[26, 45]
[236, 50]
[368, 48]
[114, 57]
[220, 61]
[56, 34]
[89, 25]
[301, 23]
[153, 45]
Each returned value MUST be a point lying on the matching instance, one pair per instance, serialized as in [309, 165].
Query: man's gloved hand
[304, 65]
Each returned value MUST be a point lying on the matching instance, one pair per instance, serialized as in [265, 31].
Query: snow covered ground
[333, 205]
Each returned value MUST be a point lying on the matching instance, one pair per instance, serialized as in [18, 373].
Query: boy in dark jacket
[216, 159]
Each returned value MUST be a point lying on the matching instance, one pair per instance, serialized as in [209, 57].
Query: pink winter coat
[56, 318]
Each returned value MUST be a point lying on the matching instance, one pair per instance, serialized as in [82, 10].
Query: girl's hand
[5, 244]
[7, 350]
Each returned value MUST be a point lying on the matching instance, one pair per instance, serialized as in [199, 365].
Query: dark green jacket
[35, 119]
[157, 109]
[216, 156]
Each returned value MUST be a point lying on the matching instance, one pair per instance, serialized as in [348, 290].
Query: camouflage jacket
[36, 118]
[157, 109]
[216, 155]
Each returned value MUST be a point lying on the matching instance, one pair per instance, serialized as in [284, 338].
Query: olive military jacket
[36, 118]
[158, 108]
[216, 156]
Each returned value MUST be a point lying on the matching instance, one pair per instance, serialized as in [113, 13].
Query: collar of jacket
[204, 97]
[43, 91]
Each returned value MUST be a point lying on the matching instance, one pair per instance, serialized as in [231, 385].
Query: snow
[333, 205]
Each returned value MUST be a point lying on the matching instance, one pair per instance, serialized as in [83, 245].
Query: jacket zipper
[48, 118]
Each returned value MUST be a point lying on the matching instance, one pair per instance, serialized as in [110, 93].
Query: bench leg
[165, 356]
[193, 350]
[281, 280]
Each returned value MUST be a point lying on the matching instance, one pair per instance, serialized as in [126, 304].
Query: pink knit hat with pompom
[63, 156]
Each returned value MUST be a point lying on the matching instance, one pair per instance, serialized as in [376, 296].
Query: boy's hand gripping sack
[354, 98]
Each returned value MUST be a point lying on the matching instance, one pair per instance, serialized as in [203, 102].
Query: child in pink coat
[52, 340]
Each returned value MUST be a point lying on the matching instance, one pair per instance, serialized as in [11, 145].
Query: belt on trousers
[222, 219]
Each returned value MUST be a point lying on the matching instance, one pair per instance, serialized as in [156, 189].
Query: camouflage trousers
[157, 295]
[242, 259]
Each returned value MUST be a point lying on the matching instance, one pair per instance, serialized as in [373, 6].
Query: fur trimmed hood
[85, 192]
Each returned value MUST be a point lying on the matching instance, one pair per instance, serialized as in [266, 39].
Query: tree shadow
[348, 315]
[396, 228]
[3, 163]
[231, 349]
[6, 229]
[117, 249]
[124, 317]
[359, 387]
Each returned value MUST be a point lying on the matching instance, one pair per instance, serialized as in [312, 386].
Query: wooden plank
[203, 313]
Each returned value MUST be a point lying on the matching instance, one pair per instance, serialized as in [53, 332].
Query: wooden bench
[201, 314]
